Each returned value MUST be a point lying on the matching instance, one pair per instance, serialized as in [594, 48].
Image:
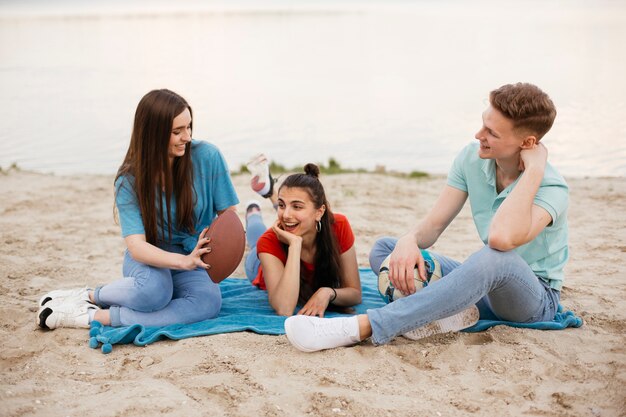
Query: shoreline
[380, 170]
[58, 232]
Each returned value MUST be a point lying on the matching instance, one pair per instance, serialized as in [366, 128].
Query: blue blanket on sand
[245, 307]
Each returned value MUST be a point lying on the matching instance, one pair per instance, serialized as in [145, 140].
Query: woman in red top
[307, 256]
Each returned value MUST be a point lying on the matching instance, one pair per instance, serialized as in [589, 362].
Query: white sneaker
[63, 296]
[262, 182]
[65, 315]
[251, 204]
[459, 321]
[310, 334]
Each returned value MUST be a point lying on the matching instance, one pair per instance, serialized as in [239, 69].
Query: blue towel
[245, 307]
[562, 320]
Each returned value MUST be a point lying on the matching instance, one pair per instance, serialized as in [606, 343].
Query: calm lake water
[400, 84]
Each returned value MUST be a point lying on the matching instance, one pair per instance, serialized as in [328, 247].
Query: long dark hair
[327, 268]
[147, 161]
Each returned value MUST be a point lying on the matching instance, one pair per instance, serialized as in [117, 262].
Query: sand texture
[58, 232]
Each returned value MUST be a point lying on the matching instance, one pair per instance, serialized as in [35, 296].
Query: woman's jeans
[500, 284]
[159, 296]
[254, 229]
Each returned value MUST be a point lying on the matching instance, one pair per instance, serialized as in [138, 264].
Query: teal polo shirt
[547, 253]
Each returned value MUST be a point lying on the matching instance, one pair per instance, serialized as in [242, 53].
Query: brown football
[227, 243]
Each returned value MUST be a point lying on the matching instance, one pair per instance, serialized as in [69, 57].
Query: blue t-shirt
[547, 253]
[213, 191]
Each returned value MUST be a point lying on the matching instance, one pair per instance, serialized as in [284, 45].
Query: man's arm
[407, 254]
[518, 220]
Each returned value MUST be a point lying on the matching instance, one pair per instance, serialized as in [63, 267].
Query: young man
[519, 206]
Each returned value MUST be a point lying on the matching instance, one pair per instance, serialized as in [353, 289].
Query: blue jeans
[500, 284]
[159, 296]
[254, 229]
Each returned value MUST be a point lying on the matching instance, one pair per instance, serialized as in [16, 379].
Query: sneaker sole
[43, 300]
[42, 316]
[459, 321]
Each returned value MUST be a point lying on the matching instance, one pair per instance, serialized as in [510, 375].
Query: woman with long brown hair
[307, 257]
[168, 190]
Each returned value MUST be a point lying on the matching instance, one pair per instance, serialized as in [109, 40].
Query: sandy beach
[59, 232]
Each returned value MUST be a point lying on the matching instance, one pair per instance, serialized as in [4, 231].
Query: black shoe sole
[43, 316]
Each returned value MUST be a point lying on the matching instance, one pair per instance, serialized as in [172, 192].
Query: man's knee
[381, 249]
[496, 258]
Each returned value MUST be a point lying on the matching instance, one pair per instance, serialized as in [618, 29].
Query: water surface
[398, 84]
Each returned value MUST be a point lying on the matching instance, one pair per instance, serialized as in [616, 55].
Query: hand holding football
[227, 241]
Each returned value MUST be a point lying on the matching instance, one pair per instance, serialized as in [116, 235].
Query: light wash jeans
[254, 229]
[159, 296]
[500, 284]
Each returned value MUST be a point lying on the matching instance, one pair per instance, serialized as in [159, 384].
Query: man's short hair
[529, 108]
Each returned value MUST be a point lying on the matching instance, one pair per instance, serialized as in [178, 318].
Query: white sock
[355, 331]
[91, 312]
